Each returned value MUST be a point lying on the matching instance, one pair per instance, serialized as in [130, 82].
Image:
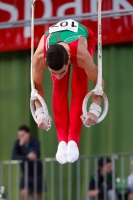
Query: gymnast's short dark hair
[56, 57]
[24, 128]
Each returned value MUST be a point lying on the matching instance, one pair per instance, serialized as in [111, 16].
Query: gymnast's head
[58, 60]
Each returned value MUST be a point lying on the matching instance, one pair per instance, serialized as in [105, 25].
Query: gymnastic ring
[45, 109]
[84, 107]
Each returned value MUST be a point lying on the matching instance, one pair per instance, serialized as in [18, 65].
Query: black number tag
[69, 24]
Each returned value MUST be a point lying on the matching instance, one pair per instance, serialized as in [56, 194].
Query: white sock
[61, 155]
[72, 151]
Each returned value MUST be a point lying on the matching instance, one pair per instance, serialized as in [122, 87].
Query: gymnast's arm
[86, 62]
[38, 69]
[39, 64]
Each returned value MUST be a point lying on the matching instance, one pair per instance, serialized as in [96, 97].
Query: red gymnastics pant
[68, 123]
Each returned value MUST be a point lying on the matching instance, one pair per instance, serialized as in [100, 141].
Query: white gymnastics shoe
[61, 155]
[72, 151]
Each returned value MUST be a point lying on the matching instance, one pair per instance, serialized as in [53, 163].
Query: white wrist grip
[39, 111]
[96, 107]
[94, 112]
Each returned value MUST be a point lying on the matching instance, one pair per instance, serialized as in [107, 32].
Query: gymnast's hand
[91, 119]
[42, 124]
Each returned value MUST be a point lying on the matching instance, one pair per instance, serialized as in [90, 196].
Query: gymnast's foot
[61, 155]
[72, 151]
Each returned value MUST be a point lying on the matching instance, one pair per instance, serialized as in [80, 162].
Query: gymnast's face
[59, 74]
